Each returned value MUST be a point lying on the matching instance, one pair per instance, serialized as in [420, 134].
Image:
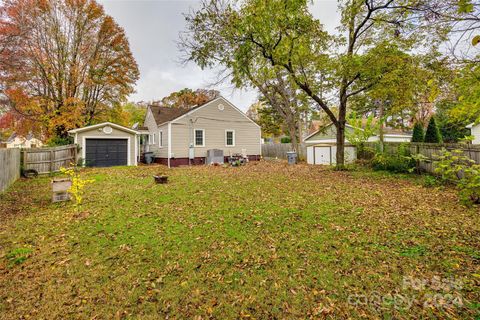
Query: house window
[151, 138]
[230, 138]
[199, 138]
[160, 139]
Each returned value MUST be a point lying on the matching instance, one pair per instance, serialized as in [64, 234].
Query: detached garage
[107, 144]
[326, 154]
[322, 146]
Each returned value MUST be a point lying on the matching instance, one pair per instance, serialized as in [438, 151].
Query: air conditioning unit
[214, 156]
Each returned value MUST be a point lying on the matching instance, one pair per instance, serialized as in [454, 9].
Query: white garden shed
[475, 132]
[325, 154]
[322, 144]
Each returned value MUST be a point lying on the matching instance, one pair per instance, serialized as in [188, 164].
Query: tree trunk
[380, 130]
[340, 125]
[340, 154]
[294, 139]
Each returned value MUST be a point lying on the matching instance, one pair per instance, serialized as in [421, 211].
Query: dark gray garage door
[106, 152]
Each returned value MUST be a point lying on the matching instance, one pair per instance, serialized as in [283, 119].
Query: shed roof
[113, 125]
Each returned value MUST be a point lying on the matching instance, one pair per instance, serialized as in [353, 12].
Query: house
[322, 144]
[107, 144]
[475, 132]
[18, 141]
[179, 136]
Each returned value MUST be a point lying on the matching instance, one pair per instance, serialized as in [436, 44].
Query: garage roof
[103, 124]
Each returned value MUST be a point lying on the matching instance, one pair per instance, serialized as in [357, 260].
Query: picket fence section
[279, 150]
[432, 150]
[9, 167]
[46, 160]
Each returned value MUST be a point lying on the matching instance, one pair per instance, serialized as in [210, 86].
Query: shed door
[310, 159]
[322, 155]
[106, 152]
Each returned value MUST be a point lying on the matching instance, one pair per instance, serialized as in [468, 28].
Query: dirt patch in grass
[262, 241]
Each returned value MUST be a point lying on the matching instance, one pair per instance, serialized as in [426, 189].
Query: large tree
[64, 63]
[236, 34]
[188, 98]
[284, 98]
[267, 118]
[460, 20]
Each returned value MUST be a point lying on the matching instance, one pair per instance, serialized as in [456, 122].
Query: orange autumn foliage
[65, 63]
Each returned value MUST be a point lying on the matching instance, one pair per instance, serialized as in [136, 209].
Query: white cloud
[153, 27]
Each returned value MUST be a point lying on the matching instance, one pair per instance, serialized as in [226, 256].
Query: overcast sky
[153, 27]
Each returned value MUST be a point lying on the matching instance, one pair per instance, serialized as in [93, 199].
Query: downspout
[190, 144]
[169, 151]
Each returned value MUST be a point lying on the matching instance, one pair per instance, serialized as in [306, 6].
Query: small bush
[365, 153]
[433, 134]
[454, 167]
[58, 141]
[418, 134]
[400, 162]
[430, 181]
[285, 140]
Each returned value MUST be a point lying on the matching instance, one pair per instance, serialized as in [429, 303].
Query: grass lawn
[262, 241]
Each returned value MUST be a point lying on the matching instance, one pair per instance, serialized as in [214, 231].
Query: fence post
[52, 159]
[75, 155]
[25, 157]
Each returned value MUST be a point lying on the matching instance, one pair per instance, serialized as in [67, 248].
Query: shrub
[78, 185]
[418, 134]
[399, 162]
[455, 168]
[59, 141]
[285, 140]
[429, 181]
[433, 134]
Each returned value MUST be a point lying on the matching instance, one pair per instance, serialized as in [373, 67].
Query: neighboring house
[475, 132]
[322, 144]
[107, 144]
[18, 141]
[179, 136]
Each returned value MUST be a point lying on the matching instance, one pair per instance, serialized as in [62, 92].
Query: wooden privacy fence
[279, 150]
[45, 160]
[9, 167]
[431, 150]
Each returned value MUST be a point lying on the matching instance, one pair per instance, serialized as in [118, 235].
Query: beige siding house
[183, 136]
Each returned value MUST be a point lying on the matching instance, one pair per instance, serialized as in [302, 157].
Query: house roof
[12, 137]
[113, 125]
[471, 125]
[165, 114]
[323, 128]
[137, 126]
[386, 131]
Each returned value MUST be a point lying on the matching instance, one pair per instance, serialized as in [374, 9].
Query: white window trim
[226, 144]
[160, 139]
[151, 138]
[195, 138]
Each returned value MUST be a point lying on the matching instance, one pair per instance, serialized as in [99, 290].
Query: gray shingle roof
[164, 114]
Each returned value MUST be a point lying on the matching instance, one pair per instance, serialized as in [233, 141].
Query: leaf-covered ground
[262, 241]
